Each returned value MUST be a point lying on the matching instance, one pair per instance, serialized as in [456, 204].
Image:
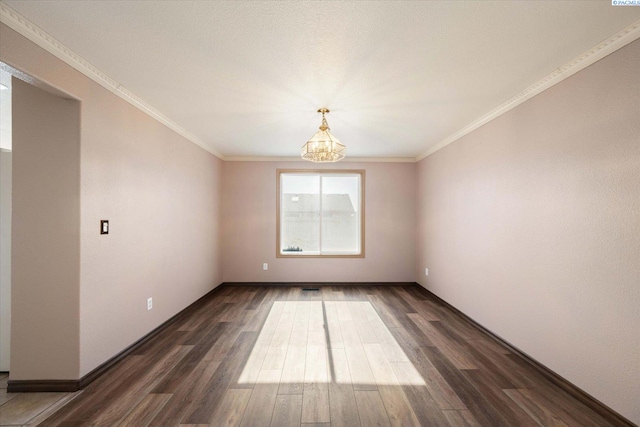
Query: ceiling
[245, 78]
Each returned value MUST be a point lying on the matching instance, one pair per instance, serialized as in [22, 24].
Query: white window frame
[320, 172]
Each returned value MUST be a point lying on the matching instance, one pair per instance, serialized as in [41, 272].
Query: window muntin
[320, 213]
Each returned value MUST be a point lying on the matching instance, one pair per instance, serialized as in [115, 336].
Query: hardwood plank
[451, 349]
[255, 319]
[411, 349]
[252, 369]
[490, 363]
[263, 398]
[442, 392]
[292, 380]
[342, 308]
[337, 295]
[231, 409]
[315, 403]
[389, 344]
[359, 369]
[93, 402]
[191, 359]
[496, 398]
[395, 401]
[134, 393]
[183, 397]
[491, 346]
[277, 349]
[219, 349]
[315, 395]
[26, 406]
[316, 316]
[417, 305]
[256, 300]
[226, 375]
[528, 401]
[143, 413]
[415, 388]
[570, 410]
[194, 321]
[461, 418]
[385, 313]
[5, 397]
[371, 409]
[47, 413]
[288, 411]
[342, 403]
[395, 295]
[363, 324]
[333, 325]
[481, 409]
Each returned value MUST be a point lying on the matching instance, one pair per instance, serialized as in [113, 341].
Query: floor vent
[310, 289]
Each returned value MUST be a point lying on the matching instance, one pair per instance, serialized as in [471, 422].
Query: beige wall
[161, 194]
[531, 226]
[5, 257]
[249, 218]
[45, 249]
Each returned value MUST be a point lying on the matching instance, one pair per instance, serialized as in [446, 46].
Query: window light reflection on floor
[356, 347]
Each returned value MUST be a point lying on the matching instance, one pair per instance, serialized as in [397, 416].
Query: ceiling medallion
[323, 147]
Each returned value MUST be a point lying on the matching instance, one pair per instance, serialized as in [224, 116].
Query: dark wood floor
[344, 355]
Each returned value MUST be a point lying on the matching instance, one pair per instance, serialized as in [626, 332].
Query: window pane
[299, 214]
[320, 213]
[340, 214]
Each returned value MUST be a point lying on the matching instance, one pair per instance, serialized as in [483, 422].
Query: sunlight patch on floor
[343, 342]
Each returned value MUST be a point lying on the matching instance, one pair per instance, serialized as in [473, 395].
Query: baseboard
[39, 386]
[318, 283]
[567, 386]
[35, 386]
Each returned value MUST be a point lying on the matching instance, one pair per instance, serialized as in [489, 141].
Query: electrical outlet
[149, 303]
[426, 271]
[265, 266]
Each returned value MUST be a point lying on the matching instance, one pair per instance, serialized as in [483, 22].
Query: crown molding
[610, 45]
[26, 28]
[23, 26]
[298, 159]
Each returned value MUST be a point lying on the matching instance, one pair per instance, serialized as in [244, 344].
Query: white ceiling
[246, 77]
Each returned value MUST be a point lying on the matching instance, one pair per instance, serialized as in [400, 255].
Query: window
[320, 213]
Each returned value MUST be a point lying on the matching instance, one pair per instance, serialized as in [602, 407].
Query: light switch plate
[104, 226]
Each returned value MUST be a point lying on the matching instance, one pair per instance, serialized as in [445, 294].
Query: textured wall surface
[249, 218]
[5, 258]
[531, 226]
[45, 248]
[161, 194]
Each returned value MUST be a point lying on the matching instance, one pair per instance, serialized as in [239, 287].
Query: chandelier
[323, 147]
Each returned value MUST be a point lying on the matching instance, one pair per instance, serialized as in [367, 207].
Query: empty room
[320, 213]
